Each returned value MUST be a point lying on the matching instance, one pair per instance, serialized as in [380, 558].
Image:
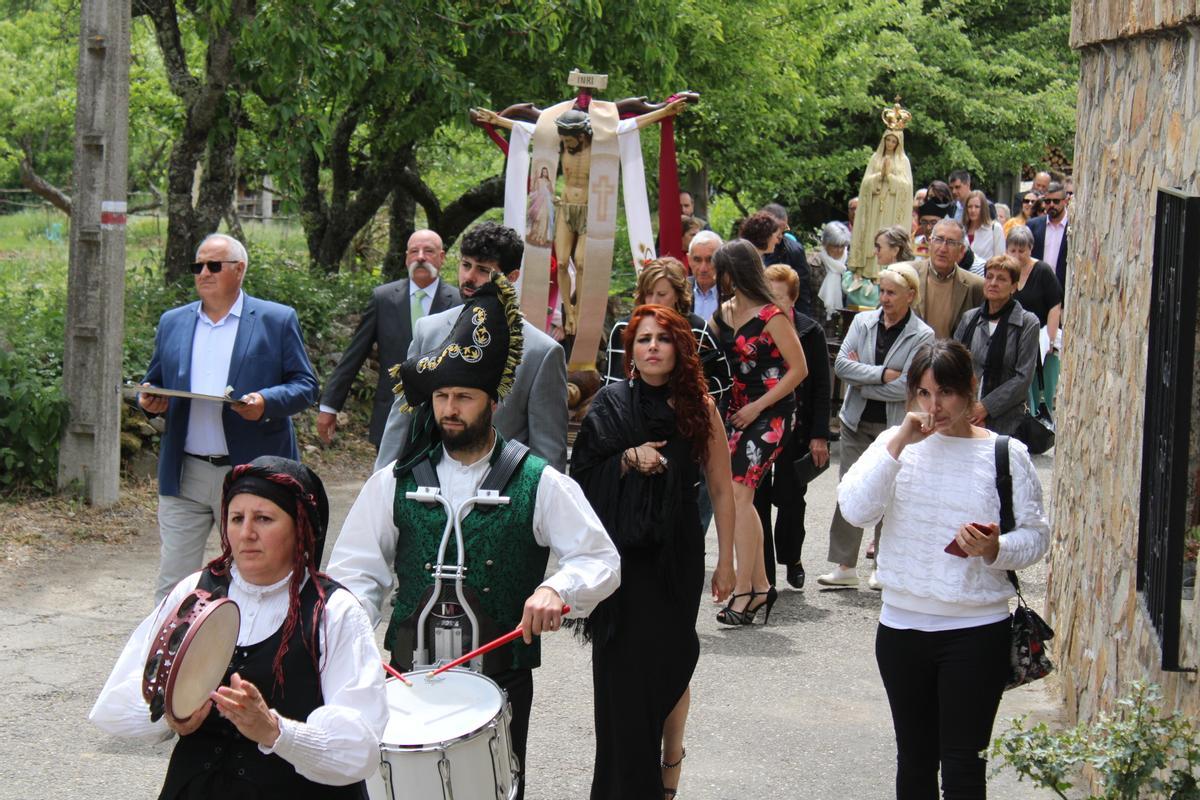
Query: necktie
[417, 306]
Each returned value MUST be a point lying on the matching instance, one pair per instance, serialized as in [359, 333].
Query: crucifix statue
[574, 127]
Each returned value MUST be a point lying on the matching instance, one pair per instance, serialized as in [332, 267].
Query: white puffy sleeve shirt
[337, 744]
[589, 567]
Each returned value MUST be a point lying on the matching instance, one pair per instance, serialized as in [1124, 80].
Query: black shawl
[638, 511]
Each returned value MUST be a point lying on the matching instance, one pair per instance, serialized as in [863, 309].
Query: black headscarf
[305, 491]
[297, 490]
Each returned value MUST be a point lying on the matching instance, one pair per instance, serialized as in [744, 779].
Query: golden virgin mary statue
[885, 197]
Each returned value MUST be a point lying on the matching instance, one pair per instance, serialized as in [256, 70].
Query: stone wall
[1138, 129]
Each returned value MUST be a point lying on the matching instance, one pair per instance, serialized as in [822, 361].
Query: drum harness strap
[428, 491]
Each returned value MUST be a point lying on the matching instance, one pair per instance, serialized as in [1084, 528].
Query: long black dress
[644, 643]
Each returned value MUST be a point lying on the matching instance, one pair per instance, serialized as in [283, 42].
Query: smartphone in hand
[984, 528]
[954, 549]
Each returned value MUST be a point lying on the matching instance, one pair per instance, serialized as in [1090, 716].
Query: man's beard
[470, 435]
[1055, 212]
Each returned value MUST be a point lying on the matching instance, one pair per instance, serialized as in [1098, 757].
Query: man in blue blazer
[226, 339]
[1056, 223]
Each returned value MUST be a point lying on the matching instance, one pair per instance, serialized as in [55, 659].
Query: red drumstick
[487, 648]
[395, 674]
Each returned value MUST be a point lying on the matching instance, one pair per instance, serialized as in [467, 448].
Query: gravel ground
[794, 709]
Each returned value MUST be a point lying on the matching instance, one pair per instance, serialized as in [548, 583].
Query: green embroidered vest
[505, 564]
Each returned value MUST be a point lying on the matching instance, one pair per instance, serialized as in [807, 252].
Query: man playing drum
[388, 539]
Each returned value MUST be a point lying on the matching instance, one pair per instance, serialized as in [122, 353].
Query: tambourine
[190, 655]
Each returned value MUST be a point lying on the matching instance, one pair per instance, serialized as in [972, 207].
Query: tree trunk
[354, 198]
[452, 220]
[401, 223]
[481, 197]
[181, 225]
[209, 135]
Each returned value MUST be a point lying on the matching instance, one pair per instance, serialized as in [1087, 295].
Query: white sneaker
[846, 577]
[873, 581]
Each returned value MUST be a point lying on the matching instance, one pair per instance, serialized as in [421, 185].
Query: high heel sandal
[727, 616]
[669, 794]
[772, 595]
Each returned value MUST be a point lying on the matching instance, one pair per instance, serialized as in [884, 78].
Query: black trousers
[944, 689]
[518, 683]
[784, 543]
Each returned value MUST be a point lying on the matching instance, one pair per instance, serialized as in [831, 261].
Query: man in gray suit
[535, 411]
[389, 321]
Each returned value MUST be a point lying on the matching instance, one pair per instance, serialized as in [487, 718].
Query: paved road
[795, 709]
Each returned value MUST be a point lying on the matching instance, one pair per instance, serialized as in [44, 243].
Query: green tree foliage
[792, 92]
[37, 101]
[348, 94]
[348, 105]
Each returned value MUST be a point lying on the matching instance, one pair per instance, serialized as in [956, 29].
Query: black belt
[216, 461]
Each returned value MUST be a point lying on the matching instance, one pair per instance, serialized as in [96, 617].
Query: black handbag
[1028, 659]
[1037, 430]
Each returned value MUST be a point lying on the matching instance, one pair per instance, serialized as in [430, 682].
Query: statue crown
[896, 117]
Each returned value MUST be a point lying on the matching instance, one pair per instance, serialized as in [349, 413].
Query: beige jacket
[967, 293]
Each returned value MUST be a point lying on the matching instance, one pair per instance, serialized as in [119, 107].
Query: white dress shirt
[588, 563]
[337, 744]
[212, 350]
[1055, 233]
[704, 304]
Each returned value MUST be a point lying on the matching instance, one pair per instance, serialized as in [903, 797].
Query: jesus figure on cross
[571, 207]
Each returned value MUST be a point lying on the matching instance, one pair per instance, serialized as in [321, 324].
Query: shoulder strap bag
[1028, 658]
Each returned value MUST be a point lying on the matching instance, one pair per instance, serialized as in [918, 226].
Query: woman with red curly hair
[638, 459]
[318, 736]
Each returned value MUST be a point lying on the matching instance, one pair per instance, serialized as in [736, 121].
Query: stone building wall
[1138, 129]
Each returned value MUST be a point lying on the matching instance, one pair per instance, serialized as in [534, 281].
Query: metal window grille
[1169, 373]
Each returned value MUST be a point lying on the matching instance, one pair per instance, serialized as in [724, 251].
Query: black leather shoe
[795, 576]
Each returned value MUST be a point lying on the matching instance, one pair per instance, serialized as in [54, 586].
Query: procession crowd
[720, 400]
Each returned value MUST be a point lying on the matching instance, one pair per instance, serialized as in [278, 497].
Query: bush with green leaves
[31, 421]
[1135, 752]
[33, 407]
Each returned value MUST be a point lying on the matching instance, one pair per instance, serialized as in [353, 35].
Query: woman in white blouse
[944, 631]
[985, 234]
[302, 707]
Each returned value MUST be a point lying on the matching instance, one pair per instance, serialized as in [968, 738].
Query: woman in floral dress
[767, 364]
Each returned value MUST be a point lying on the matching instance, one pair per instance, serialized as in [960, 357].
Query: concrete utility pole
[90, 454]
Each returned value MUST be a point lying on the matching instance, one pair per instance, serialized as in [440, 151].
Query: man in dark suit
[1050, 232]
[395, 307]
[225, 344]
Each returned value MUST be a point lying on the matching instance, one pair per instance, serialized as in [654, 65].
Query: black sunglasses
[213, 266]
[1055, 200]
[1028, 202]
